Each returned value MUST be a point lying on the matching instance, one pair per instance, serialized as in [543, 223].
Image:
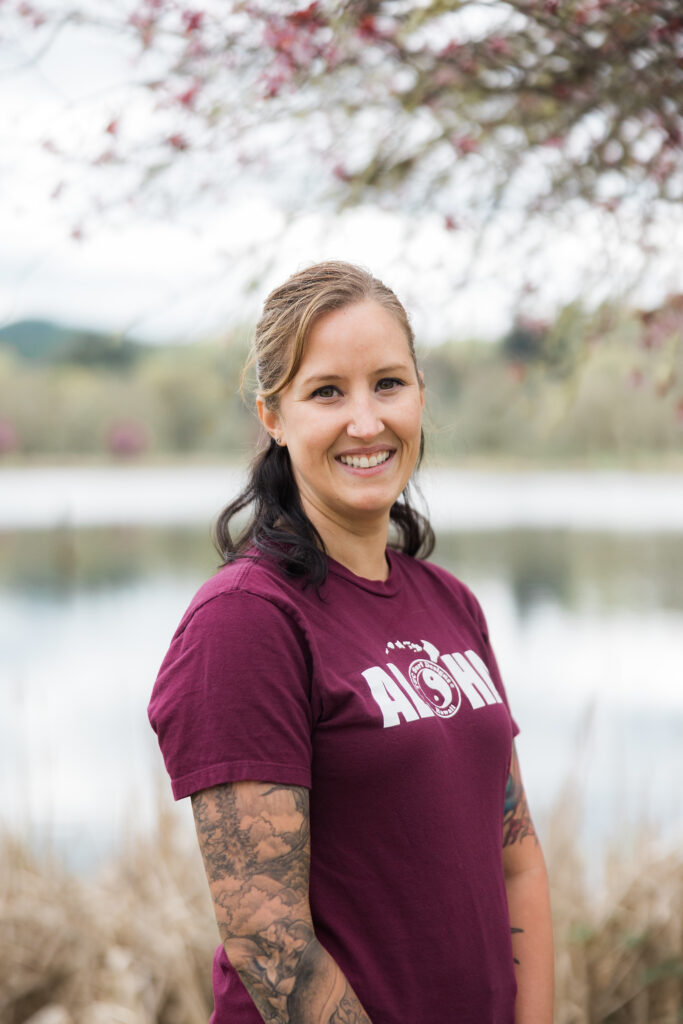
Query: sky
[187, 275]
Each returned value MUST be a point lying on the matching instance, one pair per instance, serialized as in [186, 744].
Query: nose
[364, 421]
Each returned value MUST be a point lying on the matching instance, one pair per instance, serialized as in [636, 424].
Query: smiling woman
[351, 419]
[333, 707]
[338, 383]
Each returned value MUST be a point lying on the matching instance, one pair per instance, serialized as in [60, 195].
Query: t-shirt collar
[384, 588]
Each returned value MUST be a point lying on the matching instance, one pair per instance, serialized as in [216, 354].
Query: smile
[365, 461]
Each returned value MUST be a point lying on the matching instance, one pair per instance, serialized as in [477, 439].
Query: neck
[361, 547]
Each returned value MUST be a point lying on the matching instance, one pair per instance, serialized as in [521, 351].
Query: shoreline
[629, 462]
[463, 498]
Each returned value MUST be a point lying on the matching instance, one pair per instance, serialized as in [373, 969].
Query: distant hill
[48, 342]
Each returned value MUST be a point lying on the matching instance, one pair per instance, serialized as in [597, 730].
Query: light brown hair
[292, 309]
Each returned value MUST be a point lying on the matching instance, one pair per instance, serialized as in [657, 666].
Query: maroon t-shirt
[384, 698]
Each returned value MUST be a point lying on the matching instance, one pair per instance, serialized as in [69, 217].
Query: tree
[533, 102]
[494, 116]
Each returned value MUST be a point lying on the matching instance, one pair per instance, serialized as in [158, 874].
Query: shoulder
[244, 616]
[250, 589]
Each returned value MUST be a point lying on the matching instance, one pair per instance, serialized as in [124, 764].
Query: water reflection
[58, 561]
[573, 569]
[583, 624]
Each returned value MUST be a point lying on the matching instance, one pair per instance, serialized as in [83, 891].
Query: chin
[371, 508]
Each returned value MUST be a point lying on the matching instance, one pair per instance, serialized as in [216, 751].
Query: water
[587, 624]
[85, 496]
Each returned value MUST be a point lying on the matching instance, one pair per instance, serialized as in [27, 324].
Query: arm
[528, 895]
[255, 842]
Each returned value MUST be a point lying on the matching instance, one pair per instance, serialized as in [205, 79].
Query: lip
[367, 451]
[367, 470]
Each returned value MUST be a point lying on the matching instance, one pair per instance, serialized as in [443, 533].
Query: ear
[269, 417]
[421, 379]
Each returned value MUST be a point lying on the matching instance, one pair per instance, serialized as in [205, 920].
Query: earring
[278, 440]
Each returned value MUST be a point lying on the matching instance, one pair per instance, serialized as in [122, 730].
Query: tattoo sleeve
[255, 842]
[517, 823]
[516, 931]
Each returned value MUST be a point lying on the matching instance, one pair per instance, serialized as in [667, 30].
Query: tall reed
[133, 945]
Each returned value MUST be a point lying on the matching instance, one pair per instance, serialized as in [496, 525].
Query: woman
[334, 709]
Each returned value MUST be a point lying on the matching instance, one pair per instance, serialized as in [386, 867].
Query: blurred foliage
[586, 385]
[390, 101]
[47, 342]
[135, 942]
[502, 121]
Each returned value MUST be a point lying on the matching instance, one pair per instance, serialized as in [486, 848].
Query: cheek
[413, 419]
[311, 435]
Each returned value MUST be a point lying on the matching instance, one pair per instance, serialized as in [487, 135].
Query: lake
[580, 576]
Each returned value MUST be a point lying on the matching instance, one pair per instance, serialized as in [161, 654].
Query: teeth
[364, 461]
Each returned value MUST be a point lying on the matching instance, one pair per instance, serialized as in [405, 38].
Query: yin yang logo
[436, 687]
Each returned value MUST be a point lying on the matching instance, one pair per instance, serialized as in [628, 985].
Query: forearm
[532, 944]
[255, 841]
[302, 987]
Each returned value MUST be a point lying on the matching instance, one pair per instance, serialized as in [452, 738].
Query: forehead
[365, 330]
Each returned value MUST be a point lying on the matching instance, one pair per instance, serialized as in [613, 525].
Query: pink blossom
[273, 82]
[192, 20]
[367, 27]
[307, 16]
[464, 144]
[451, 50]
[9, 437]
[145, 25]
[178, 141]
[498, 44]
[187, 98]
[126, 437]
[279, 37]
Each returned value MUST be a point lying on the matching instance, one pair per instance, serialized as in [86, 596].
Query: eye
[326, 391]
[389, 384]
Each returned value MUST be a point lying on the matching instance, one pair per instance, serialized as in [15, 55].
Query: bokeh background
[515, 171]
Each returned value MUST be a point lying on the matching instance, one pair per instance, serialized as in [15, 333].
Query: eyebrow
[335, 377]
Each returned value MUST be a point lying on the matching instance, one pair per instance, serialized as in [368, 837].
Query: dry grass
[131, 946]
[619, 954]
[134, 944]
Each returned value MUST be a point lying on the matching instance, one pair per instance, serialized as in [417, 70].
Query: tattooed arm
[255, 842]
[526, 882]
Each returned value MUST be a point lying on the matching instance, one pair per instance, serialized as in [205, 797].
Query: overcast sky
[185, 276]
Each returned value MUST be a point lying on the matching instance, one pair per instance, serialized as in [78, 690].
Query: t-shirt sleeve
[232, 698]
